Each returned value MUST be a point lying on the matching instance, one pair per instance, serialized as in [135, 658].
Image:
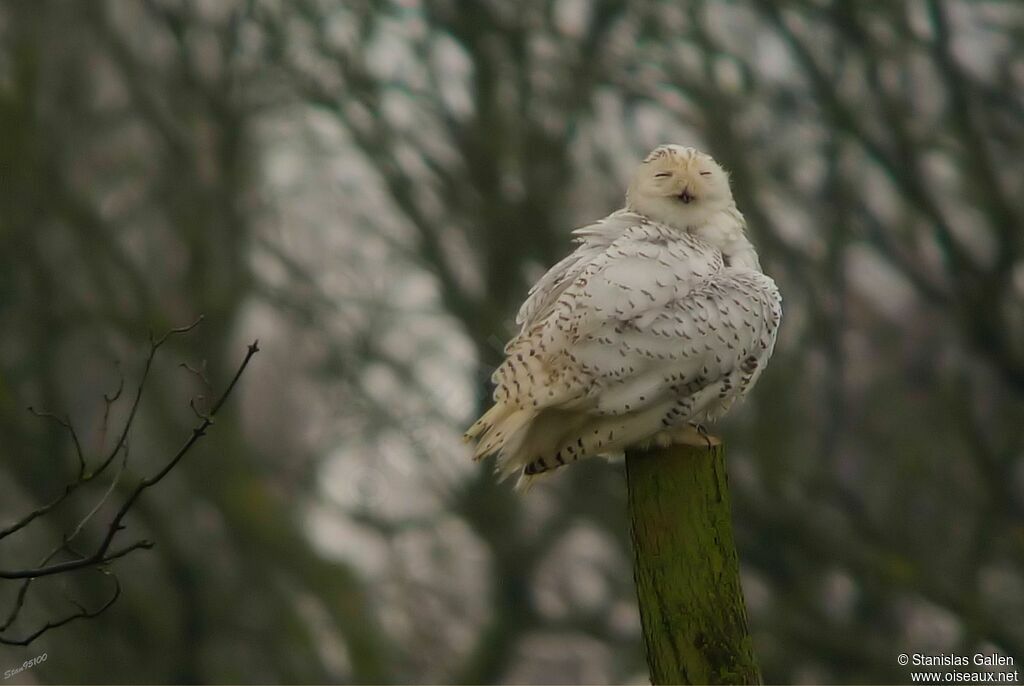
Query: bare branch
[102, 553]
[105, 553]
[85, 476]
[81, 613]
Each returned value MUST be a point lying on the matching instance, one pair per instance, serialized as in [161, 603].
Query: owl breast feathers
[641, 332]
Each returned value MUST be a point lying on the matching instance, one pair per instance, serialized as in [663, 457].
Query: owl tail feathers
[483, 424]
[501, 429]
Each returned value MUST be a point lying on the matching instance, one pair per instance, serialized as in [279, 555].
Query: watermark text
[27, 664]
[960, 669]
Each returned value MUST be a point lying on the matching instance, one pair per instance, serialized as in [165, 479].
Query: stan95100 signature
[27, 664]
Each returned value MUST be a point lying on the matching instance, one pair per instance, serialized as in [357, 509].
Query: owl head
[679, 186]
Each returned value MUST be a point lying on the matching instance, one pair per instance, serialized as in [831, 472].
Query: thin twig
[69, 427]
[99, 504]
[199, 373]
[82, 613]
[108, 403]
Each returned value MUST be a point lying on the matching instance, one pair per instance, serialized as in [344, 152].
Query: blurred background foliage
[369, 187]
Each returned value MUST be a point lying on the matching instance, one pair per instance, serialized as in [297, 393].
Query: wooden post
[686, 569]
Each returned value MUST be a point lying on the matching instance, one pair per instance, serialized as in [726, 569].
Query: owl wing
[593, 240]
[686, 356]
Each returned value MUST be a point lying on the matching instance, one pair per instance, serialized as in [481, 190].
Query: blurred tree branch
[974, 286]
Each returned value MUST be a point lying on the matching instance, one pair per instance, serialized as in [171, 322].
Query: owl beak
[686, 196]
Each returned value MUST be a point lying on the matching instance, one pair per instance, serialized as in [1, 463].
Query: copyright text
[976, 668]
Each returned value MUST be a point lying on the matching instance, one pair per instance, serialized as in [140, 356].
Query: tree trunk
[686, 569]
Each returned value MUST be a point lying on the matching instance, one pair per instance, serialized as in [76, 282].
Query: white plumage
[659, 320]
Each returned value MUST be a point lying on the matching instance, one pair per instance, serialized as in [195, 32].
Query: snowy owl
[658, 322]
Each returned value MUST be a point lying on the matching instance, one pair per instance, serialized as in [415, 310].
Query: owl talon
[692, 435]
[710, 440]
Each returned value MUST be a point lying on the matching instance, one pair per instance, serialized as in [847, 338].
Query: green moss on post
[686, 569]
